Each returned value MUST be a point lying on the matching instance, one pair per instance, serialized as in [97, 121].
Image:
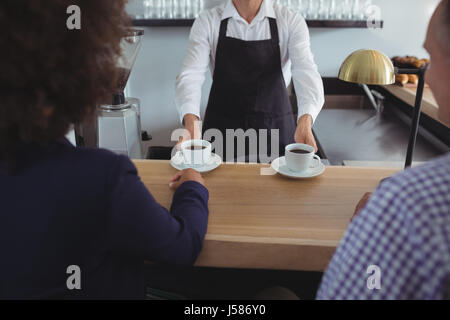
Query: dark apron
[249, 91]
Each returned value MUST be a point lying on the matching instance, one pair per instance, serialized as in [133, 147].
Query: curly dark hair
[50, 76]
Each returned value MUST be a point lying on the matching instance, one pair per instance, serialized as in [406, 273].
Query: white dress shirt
[296, 57]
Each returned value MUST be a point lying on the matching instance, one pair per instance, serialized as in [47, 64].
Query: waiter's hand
[192, 128]
[304, 134]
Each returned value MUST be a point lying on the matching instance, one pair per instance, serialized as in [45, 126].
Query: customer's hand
[185, 175]
[361, 204]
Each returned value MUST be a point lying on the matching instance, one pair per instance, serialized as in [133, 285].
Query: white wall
[162, 54]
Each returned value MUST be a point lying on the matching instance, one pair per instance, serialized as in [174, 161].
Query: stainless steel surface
[361, 135]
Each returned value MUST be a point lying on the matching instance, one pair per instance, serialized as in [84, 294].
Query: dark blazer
[67, 206]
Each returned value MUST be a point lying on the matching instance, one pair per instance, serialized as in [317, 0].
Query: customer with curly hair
[62, 206]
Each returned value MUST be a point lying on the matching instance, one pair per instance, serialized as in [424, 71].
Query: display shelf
[311, 23]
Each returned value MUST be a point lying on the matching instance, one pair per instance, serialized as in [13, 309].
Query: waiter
[253, 48]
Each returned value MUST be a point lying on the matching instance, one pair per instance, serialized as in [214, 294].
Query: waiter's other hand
[192, 129]
[304, 134]
[185, 175]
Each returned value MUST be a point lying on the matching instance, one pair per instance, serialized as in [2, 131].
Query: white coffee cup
[300, 162]
[196, 152]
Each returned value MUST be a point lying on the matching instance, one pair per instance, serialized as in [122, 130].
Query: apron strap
[274, 31]
[223, 28]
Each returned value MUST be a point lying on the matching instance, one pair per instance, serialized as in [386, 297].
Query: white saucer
[178, 163]
[279, 165]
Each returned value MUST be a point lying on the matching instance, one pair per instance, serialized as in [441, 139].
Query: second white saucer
[279, 165]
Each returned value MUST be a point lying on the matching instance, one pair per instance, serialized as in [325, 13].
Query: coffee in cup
[194, 147]
[299, 157]
[300, 151]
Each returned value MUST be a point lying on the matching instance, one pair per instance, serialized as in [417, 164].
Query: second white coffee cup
[299, 157]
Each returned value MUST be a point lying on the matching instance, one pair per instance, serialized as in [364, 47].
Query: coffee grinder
[118, 125]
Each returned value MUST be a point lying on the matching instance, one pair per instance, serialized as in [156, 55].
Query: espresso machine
[118, 124]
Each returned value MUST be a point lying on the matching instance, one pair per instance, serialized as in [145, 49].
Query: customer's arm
[381, 255]
[139, 226]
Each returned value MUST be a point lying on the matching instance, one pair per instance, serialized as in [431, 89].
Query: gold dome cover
[368, 67]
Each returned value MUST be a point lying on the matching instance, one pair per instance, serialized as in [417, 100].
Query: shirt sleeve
[190, 80]
[307, 80]
[140, 227]
[390, 243]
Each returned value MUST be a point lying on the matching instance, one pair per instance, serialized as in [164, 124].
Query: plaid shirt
[398, 247]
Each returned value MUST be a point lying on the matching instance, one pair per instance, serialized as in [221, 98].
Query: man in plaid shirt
[398, 246]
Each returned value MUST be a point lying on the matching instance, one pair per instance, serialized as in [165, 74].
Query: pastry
[409, 62]
[420, 63]
[401, 78]
[412, 78]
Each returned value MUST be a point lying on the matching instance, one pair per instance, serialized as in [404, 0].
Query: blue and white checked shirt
[404, 230]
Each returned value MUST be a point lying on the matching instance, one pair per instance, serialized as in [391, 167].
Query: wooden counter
[271, 222]
[408, 95]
